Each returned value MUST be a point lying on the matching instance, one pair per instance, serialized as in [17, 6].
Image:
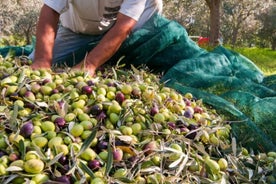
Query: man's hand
[40, 64]
[87, 67]
[108, 46]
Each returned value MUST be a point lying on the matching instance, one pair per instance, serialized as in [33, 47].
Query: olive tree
[19, 18]
[193, 15]
[239, 20]
[268, 30]
[200, 17]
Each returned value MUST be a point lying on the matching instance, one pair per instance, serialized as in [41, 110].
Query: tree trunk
[234, 36]
[273, 44]
[28, 33]
[214, 6]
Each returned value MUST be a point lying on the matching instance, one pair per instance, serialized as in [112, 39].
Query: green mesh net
[225, 80]
[15, 50]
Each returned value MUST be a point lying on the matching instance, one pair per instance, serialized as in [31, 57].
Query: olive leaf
[22, 149]
[87, 170]
[115, 74]
[42, 104]
[39, 152]
[152, 169]
[109, 160]
[10, 178]
[54, 160]
[234, 146]
[22, 80]
[13, 119]
[82, 175]
[176, 162]
[13, 169]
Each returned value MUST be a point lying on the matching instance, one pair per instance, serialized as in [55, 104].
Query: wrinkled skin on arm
[109, 44]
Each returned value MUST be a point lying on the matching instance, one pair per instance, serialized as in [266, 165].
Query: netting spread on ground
[224, 79]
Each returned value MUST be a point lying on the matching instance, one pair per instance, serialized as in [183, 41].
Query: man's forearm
[46, 32]
[110, 42]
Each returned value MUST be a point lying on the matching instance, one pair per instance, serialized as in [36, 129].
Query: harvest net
[224, 79]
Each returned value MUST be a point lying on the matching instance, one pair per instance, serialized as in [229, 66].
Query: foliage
[240, 18]
[239, 25]
[190, 14]
[19, 18]
[268, 29]
[12, 40]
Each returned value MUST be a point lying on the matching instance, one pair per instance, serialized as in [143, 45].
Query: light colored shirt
[98, 16]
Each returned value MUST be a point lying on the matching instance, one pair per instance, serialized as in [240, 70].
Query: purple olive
[45, 81]
[120, 143]
[180, 124]
[94, 165]
[102, 145]
[64, 169]
[90, 83]
[193, 134]
[87, 90]
[101, 116]
[29, 105]
[109, 84]
[63, 179]
[184, 129]
[187, 101]
[27, 129]
[154, 110]
[61, 103]
[192, 127]
[188, 114]
[95, 109]
[55, 91]
[60, 121]
[120, 97]
[171, 125]
[63, 160]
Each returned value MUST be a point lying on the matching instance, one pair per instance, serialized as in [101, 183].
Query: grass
[264, 58]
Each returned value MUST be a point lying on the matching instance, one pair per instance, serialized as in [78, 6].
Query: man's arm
[109, 44]
[45, 35]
